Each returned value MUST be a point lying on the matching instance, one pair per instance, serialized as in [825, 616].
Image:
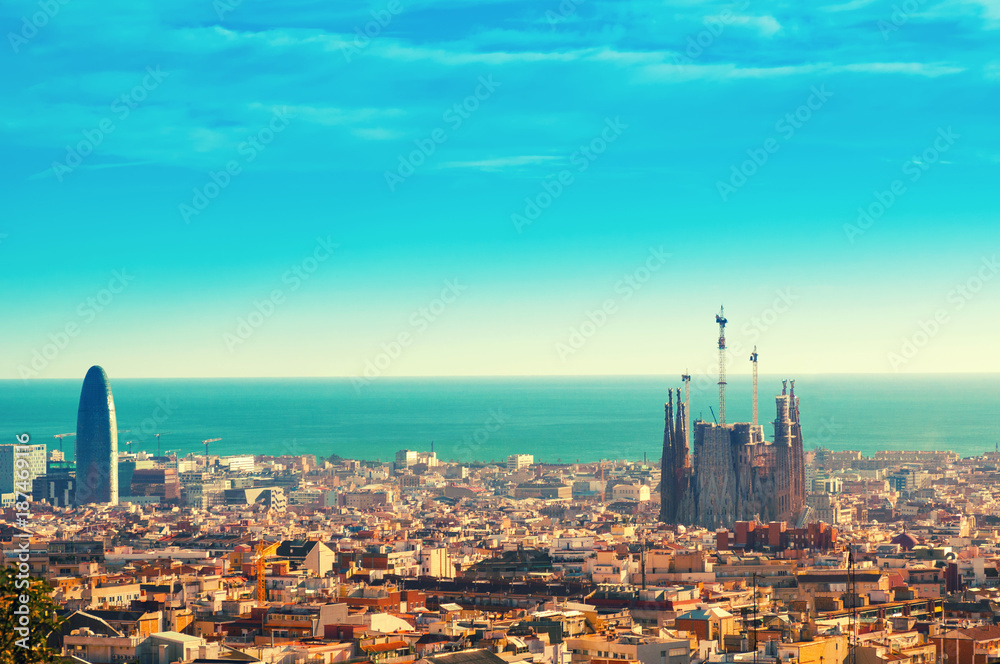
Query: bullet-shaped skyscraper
[96, 442]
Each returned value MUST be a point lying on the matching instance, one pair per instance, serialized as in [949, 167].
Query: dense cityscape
[739, 549]
[392, 332]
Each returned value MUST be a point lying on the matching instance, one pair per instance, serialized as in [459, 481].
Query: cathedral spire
[668, 498]
[681, 434]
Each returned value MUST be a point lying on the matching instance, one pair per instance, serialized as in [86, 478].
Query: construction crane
[686, 378]
[263, 552]
[753, 358]
[755, 617]
[720, 318]
[60, 436]
[603, 484]
[852, 590]
[205, 443]
[157, 435]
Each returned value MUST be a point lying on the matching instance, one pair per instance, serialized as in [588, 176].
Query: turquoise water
[555, 419]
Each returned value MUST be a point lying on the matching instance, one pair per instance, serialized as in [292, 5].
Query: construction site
[730, 472]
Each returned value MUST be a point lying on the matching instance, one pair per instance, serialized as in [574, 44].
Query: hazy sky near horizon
[498, 186]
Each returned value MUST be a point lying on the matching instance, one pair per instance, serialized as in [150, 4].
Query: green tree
[27, 618]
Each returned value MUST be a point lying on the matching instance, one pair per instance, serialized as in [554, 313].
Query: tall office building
[96, 442]
[19, 476]
[405, 459]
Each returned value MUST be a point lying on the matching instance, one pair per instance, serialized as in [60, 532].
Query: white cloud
[987, 10]
[990, 8]
[377, 134]
[500, 163]
[914, 68]
[680, 73]
[397, 51]
[336, 116]
[767, 26]
[847, 6]
[689, 72]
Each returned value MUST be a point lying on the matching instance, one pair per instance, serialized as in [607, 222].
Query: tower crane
[753, 358]
[157, 436]
[720, 318]
[60, 436]
[603, 483]
[686, 378]
[264, 551]
[205, 443]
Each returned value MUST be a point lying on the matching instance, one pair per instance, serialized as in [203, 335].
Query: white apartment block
[516, 462]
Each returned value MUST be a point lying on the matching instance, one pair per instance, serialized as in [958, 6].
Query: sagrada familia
[734, 474]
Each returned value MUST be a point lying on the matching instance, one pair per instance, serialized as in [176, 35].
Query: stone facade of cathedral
[734, 474]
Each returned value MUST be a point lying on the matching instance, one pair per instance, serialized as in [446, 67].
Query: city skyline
[500, 332]
[519, 171]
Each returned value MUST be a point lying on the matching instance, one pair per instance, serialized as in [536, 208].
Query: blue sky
[382, 188]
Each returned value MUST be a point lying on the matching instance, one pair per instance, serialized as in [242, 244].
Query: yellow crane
[263, 552]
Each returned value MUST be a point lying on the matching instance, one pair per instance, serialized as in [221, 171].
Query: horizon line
[440, 376]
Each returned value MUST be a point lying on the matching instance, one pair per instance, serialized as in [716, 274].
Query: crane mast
[264, 551]
[157, 435]
[205, 443]
[686, 378]
[753, 358]
[720, 318]
[60, 436]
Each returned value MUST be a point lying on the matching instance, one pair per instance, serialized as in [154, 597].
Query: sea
[557, 419]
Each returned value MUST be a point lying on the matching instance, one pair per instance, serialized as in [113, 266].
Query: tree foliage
[27, 618]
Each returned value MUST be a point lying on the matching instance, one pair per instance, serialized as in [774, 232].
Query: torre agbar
[96, 442]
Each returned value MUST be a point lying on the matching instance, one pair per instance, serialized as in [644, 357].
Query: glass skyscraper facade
[96, 442]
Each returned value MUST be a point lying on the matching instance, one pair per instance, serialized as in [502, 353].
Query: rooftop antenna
[720, 318]
[753, 358]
